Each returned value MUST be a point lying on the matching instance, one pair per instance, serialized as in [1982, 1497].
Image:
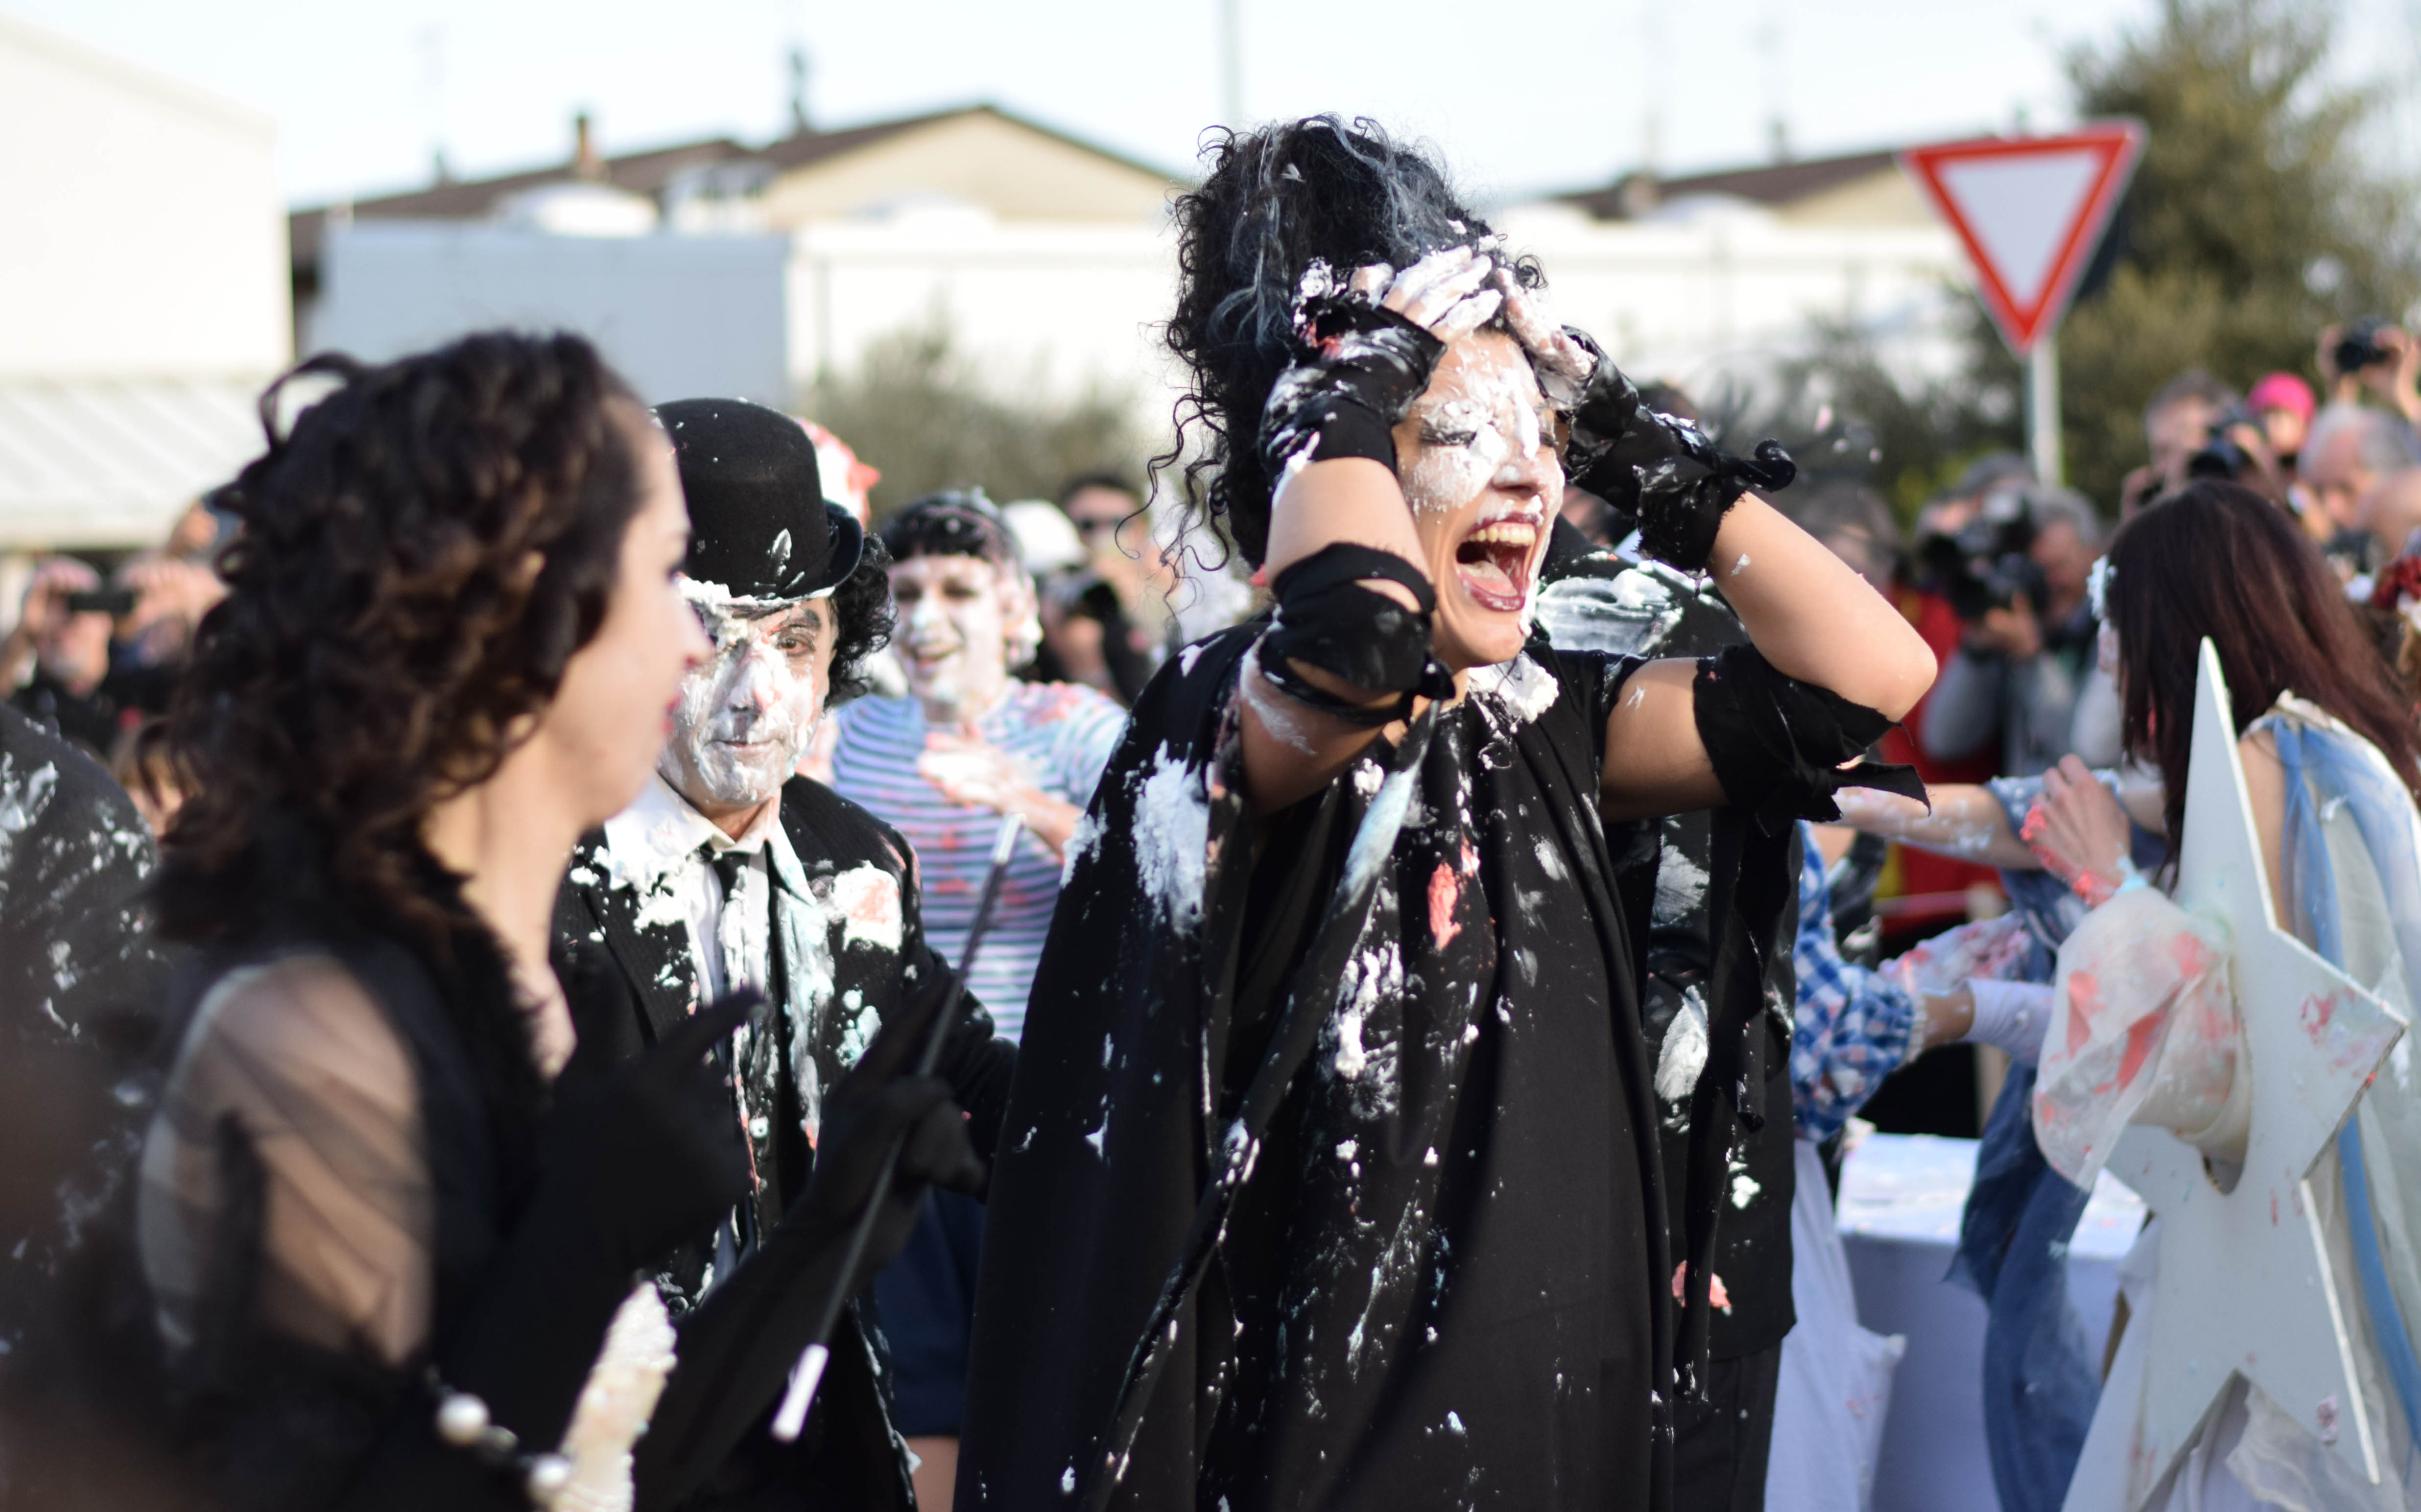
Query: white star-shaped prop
[2245, 1286]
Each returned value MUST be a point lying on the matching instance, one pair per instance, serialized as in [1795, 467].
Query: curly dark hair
[417, 560]
[862, 619]
[1275, 201]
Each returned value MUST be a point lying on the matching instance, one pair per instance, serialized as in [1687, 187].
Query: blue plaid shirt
[1854, 1026]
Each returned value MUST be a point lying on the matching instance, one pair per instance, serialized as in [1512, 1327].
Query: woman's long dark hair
[1275, 201]
[2218, 560]
[418, 559]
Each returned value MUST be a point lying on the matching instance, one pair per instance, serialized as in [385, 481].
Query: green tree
[921, 410]
[2252, 220]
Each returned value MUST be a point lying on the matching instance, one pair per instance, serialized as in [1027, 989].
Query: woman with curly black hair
[1331, 1177]
[399, 1203]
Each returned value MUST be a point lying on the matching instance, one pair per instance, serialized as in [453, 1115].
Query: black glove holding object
[634, 1160]
[737, 1348]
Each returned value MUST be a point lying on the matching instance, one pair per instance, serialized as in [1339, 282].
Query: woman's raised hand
[1564, 366]
[2079, 832]
[1445, 293]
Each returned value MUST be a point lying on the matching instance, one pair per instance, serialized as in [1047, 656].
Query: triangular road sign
[2030, 211]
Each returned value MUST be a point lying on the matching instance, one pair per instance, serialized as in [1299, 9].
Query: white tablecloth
[1901, 1195]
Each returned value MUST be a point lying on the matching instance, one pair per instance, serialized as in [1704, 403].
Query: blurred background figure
[1108, 621]
[2357, 462]
[93, 657]
[970, 744]
[848, 482]
[2373, 358]
[2025, 664]
[2282, 405]
[2177, 424]
[60, 650]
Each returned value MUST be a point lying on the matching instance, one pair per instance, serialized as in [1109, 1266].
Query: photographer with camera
[2025, 666]
[88, 659]
[2375, 355]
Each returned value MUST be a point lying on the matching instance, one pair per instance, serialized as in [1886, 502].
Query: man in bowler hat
[732, 872]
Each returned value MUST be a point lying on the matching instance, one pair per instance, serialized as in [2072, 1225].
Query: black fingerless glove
[1362, 367]
[1659, 469]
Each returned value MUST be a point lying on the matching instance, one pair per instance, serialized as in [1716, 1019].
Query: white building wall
[678, 316]
[1725, 292]
[1040, 307]
[1050, 309]
[140, 227]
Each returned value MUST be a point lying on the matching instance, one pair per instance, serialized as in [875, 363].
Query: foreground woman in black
[1330, 1174]
[398, 1227]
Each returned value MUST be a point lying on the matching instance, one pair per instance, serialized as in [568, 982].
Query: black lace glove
[1658, 468]
[738, 1346]
[1362, 367]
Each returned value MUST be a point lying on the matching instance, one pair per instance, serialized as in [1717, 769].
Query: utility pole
[1232, 65]
[433, 84]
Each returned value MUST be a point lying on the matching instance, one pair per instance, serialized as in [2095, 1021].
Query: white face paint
[748, 712]
[958, 616]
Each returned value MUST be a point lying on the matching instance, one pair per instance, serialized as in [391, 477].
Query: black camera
[2220, 456]
[114, 602]
[1987, 564]
[2358, 347]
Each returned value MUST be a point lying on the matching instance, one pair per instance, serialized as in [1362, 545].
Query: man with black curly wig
[732, 872]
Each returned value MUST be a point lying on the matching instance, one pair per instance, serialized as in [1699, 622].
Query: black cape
[1439, 1277]
[1594, 599]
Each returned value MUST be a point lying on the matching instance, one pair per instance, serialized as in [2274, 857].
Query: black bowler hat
[758, 522]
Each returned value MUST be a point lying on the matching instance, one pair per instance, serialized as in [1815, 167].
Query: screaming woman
[1330, 1174]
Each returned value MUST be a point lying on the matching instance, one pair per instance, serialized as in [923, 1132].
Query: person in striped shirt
[970, 744]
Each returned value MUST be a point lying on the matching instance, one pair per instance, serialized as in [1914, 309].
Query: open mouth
[1493, 562]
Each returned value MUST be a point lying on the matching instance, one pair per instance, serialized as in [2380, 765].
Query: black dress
[1443, 1281]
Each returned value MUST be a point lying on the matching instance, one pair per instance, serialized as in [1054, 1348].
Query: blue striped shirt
[1062, 734]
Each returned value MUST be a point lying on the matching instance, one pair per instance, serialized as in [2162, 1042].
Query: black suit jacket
[849, 949]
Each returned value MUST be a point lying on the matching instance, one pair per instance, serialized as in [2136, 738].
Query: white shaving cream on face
[1480, 416]
[955, 650]
[748, 712]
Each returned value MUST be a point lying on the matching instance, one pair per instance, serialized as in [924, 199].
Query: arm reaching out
[1966, 822]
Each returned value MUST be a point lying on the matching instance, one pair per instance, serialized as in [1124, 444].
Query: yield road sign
[2030, 211]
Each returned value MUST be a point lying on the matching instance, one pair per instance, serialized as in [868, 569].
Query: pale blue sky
[1560, 98]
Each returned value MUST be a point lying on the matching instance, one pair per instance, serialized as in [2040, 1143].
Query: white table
[1901, 1197]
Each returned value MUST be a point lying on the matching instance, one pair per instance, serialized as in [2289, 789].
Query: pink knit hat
[2281, 391]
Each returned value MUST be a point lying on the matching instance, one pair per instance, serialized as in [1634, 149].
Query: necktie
[727, 866]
